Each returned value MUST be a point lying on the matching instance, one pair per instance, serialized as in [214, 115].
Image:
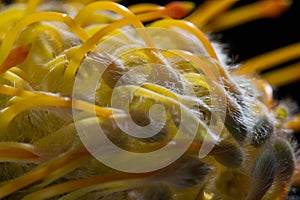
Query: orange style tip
[274, 8]
[15, 57]
[179, 9]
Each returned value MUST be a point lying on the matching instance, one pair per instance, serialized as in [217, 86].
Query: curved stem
[208, 10]
[35, 99]
[144, 7]
[244, 14]
[166, 23]
[76, 59]
[32, 6]
[269, 60]
[100, 182]
[66, 162]
[17, 152]
[11, 36]
[283, 76]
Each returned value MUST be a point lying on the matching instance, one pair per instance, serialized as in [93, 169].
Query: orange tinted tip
[179, 9]
[275, 7]
[294, 124]
[15, 57]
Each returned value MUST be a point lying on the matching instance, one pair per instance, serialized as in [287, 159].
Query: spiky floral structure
[53, 52]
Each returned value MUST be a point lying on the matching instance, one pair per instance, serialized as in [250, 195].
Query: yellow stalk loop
[70, 160]
[283, 76]
[173, 10]
[11, 36]
[16, 80]
[208, 10]
[89, 9]
[197, 79]
[19, 72]
[87, 46]
[244, 14]
[35, 99]
[160, 90]
[166, 23]
[9, 16]
[17, 152]
[32, 6]
[7, 114]
[269, 60]
[144, 7]
[294, 123]
[11, 91]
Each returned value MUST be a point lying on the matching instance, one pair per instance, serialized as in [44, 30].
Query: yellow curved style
[98, 100]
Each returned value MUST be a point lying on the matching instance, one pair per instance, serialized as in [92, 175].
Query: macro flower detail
[103, 101]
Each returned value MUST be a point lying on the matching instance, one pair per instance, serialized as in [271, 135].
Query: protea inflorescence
[100, 101]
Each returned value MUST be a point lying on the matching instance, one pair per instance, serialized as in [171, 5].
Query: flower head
[99, 100]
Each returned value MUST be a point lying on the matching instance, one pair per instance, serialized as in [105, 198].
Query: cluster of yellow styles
[44, 44]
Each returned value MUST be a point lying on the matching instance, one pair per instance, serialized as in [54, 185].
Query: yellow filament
[19, 72]
[8, 42]
[89, 44]
[85, 13]
[17, 152]
[150, 16]
[32, 6]
[69, 160]
[208, 10]
[16, 80]
[148, 94]
[144, 7]
[269, 60]
[160, 90]
[8, 17]
[130, 18]
[104, 181]
[197, 79]
[283, 76]
[11, 91]
[198, 64]
[153, 13]
[35, 99]
[7, 114]
[166, 23]
[244, 14]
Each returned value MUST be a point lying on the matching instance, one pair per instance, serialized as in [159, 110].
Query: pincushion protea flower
[51, 54]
